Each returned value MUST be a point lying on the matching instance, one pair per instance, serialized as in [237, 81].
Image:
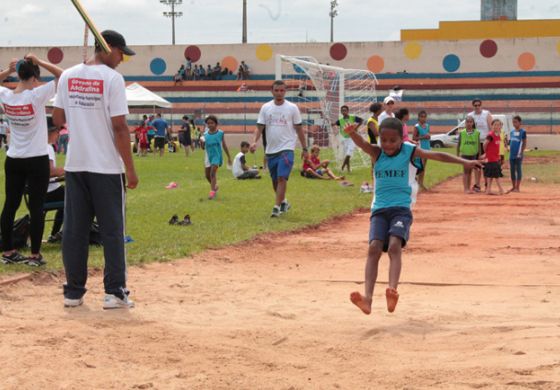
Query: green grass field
[240, 212]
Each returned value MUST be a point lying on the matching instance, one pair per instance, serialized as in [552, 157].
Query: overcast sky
[55, 22]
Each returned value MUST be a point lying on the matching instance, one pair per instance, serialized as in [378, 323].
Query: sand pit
[479, 308]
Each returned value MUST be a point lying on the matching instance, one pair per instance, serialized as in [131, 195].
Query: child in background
[143, 141]
[503, 138]
[403, 115]
[372, 123]
[213, 143]
[493, 169]
[240, 169]
[422, 134]
[468, 148]
[395, 192]
[517, 142]
[314, 168]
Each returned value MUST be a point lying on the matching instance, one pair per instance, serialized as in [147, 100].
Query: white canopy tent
[138, 96]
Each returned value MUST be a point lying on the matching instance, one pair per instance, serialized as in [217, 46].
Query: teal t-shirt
[213, 147]
[395, 179]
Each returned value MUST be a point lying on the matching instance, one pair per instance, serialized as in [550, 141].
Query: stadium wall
[438, 57]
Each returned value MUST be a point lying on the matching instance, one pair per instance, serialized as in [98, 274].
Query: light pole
[333, 14]
[244, 36]
[173, 14]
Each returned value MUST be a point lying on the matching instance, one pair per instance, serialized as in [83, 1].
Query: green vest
[343, 122]
[469, 143]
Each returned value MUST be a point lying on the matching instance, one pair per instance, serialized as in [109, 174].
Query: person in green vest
[347, 142]
[468, 147]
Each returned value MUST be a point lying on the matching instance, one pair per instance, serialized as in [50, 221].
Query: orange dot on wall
[375, 64]
[231, 63]
[526, 61]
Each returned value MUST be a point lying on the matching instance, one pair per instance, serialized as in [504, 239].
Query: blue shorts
[280, 164]
[390, 221]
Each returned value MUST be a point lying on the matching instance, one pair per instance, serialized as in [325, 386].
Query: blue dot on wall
[451, 62]
[158, 66]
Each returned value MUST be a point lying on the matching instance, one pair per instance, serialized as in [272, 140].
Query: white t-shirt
[90, 96]
[3, 128]
[384, 116]
[52, 157]
[237, 168]
[28, 119]
[481, 121]
[279, 121]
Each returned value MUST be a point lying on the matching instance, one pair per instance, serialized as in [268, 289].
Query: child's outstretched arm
[447, 158]
[372, 150]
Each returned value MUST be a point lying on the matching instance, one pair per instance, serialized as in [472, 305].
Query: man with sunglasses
[483, 120]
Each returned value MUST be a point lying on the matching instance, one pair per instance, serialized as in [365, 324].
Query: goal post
[320, 91]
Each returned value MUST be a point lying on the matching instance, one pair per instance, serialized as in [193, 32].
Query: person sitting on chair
[55, 191]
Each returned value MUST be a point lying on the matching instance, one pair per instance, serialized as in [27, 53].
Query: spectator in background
[188, 66]
[161, 127]
[185, 138]
[195, 72]
[245, 70]
[216, 72]
[201, 73]
[240, 169]
[179, 76]
[63, 137]
[3, 132]
[483, 120]
[389, 104]
[55, 191]
[209, 72]
[151, 131]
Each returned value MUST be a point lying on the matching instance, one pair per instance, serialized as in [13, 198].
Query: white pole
[340, 90]
[278, 67]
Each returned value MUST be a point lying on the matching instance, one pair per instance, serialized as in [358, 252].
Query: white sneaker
[73, 302]
[113, 302]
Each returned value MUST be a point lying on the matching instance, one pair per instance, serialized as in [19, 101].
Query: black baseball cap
[115, 39]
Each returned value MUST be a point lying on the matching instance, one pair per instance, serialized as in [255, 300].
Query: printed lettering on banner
[21, 115]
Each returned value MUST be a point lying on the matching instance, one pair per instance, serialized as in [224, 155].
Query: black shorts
[159, 142]
[390, 221]
[493, 170]
[475, 157]
[185, 138]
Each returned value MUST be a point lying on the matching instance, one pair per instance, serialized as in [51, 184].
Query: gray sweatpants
[103, 196]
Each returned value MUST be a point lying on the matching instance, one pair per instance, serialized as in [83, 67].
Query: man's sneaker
[54, 238]
[113, 302]
[275, 212]
[14, 258]
[212, 195]
[174, 219]
[73, 302]
[35, 261]
[284, 206]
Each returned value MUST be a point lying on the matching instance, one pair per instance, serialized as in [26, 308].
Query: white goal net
[320, 91]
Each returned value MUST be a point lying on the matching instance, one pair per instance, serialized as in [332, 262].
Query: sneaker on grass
[68, 302]
[113, 302]
[285, 206]
[275, 212]
[36, 261]
[13, 258]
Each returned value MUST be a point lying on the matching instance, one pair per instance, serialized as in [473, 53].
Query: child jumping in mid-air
[493, 168]
[395, 192]
[314, 168]
[517, 141]
[468, 147]
[213, 143]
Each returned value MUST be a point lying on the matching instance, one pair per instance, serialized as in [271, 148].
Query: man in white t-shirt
[92, 101]
[389, 103]
[239, 169]
[283, 124]
[3, 132]
[483, 121]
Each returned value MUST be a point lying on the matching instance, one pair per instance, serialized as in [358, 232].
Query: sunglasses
[476, 105]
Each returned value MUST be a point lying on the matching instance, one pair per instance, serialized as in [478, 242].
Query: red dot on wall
[338, 52]
[488, 48]
[193, 52]
[55, 55]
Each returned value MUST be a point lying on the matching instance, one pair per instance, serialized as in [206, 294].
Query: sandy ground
[479, 308]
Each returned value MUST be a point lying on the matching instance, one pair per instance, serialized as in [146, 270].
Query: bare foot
[392, 298]
[362, 302]
[424, 188]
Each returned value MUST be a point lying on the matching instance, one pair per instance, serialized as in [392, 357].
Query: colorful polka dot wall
[158, 66]
[55, 55]
[451, 63]
[338, 51]
[526, 61]
[488, 48]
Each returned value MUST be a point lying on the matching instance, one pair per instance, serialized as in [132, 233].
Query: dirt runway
[479, 308]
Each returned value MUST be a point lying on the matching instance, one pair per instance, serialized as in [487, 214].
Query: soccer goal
[320, 91]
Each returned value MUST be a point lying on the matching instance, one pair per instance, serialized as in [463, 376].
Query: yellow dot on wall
[125, 58]
[264, 52]
[412, 50]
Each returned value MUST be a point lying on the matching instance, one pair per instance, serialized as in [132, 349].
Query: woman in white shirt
[27, 161]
